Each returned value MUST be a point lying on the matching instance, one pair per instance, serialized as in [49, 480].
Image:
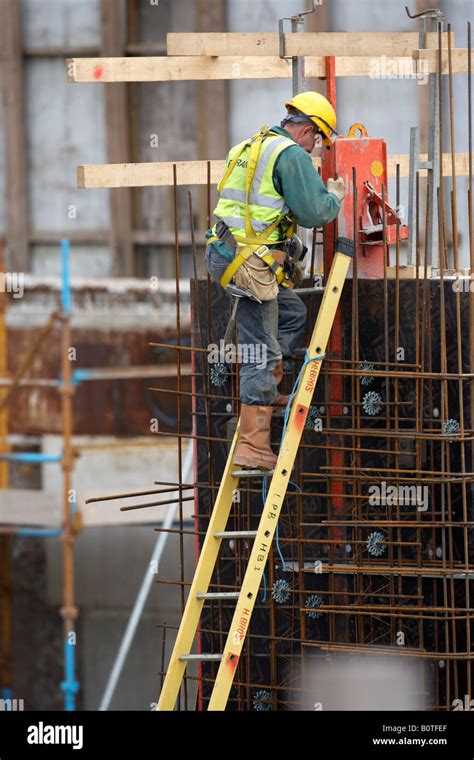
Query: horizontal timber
[299, 43]
[197, 68]
[195, 172]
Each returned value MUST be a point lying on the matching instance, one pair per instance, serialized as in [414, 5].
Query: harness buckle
[261, 251]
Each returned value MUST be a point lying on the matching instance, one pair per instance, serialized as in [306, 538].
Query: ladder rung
[191, 657]
[251, 473]
[235, 534]
[317, 289]
[218, 595]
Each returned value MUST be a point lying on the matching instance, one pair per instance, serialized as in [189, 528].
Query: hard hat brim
[323, 126]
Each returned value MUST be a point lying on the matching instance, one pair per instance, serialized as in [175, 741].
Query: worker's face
[308, 138]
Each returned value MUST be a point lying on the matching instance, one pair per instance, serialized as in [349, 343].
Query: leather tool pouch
[257, 276]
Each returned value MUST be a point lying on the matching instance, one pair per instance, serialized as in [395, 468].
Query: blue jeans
[273, 328]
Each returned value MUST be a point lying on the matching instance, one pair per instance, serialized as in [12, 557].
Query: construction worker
[269, 186]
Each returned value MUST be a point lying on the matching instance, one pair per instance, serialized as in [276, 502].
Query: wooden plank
[459, 60]
[169, 69]
[118, 145]
[16, 194]
[148, 174]
[195, 172]
[299, 43]
[408, 272]
[163, 69]
[418, 66]
[461, 164]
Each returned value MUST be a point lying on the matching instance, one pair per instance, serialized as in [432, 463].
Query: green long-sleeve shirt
[305, 194]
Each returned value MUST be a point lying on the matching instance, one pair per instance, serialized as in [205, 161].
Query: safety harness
[251, 243]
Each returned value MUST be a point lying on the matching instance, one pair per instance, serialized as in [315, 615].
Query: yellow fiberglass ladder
[198, 594]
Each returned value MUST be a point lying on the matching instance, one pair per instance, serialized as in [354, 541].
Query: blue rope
[296, 486]
[277, 540]
[293, 393]
[264, 597]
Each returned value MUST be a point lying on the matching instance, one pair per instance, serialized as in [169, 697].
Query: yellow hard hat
[319, 110]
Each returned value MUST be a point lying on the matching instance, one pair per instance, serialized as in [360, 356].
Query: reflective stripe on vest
[265, 203]
[238, 223]
[255, 199]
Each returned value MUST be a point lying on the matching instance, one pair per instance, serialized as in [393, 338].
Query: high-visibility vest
[248, 202]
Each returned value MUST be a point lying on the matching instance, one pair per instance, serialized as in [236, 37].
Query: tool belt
[254, 267]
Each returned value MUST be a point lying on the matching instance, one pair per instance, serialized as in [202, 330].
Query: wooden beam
[408, 272]
[459, 60]
[186, 68]
[417, 66]
[195, 172]
[299, 43]
[16, 194]
[166, 69]
[118, 145]
[148, 174]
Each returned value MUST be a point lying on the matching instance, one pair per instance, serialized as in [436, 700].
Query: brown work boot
[253, 447]
[280, 398]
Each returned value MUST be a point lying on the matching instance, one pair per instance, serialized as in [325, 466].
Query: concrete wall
[65, 126]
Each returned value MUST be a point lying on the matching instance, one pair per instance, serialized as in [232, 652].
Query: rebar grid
[375, 546]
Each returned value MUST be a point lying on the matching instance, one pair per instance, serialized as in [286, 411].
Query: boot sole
[259, 473]
[254, 465]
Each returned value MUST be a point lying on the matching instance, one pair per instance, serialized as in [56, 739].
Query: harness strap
[264, 131]
[231, 166]
[250, 243]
